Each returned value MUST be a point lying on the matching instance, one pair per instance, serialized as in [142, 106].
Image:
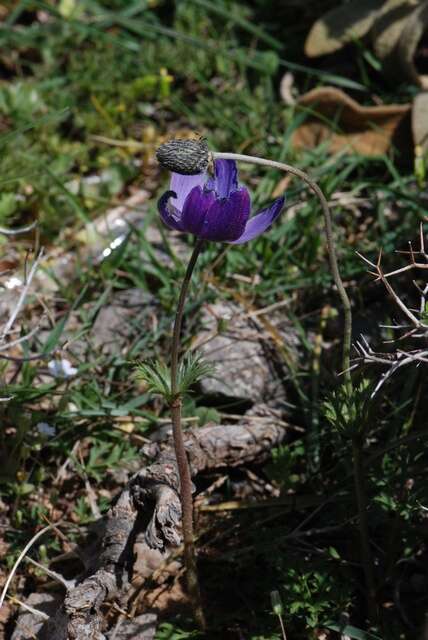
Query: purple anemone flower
[215, 208]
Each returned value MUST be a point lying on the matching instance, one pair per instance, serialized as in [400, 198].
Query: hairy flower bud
[187, 157]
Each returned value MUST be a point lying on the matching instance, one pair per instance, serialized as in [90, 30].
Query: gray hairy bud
[188, 157]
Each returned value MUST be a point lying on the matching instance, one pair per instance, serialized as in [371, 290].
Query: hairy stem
[346, 304]
[180, 451]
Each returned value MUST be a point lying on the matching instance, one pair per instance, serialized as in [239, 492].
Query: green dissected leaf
[157, 375]
[348, 412]
[192, 369]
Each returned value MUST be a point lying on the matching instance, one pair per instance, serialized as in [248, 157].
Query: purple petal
[169, 214]
[226, 177]
[195, 209]
[210, 184]
[225, 220]
[262, 221]
[183, 185]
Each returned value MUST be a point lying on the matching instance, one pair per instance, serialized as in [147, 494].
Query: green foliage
[157, 375]
[348, 411]
[8, 206]
[102, 457]
[191, 369]
[310, 595]
[167, 631]
[286, 460]
[204, 414]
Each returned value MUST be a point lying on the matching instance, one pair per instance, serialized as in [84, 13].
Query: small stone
[119, 322]
[246, 365]
[29, 625]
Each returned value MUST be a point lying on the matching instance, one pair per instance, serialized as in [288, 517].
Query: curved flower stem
[180, 451]
[360, 492]
[347, 312]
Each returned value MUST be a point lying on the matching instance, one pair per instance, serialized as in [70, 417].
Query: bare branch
[418, 327]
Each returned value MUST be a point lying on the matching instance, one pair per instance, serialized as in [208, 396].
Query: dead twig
[21, 557]
[417, 319]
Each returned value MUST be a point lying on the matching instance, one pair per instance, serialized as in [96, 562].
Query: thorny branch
[416, 326]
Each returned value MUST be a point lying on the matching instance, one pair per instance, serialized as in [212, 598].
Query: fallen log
[147, 513]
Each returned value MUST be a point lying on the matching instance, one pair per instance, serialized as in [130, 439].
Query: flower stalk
[180, 451]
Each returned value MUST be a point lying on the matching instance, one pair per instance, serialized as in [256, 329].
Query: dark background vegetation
[91, 88]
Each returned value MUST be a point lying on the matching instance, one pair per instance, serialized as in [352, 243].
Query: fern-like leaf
[157, 375]
[192, 369]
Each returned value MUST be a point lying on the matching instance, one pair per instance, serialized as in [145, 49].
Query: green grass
[91, 90]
